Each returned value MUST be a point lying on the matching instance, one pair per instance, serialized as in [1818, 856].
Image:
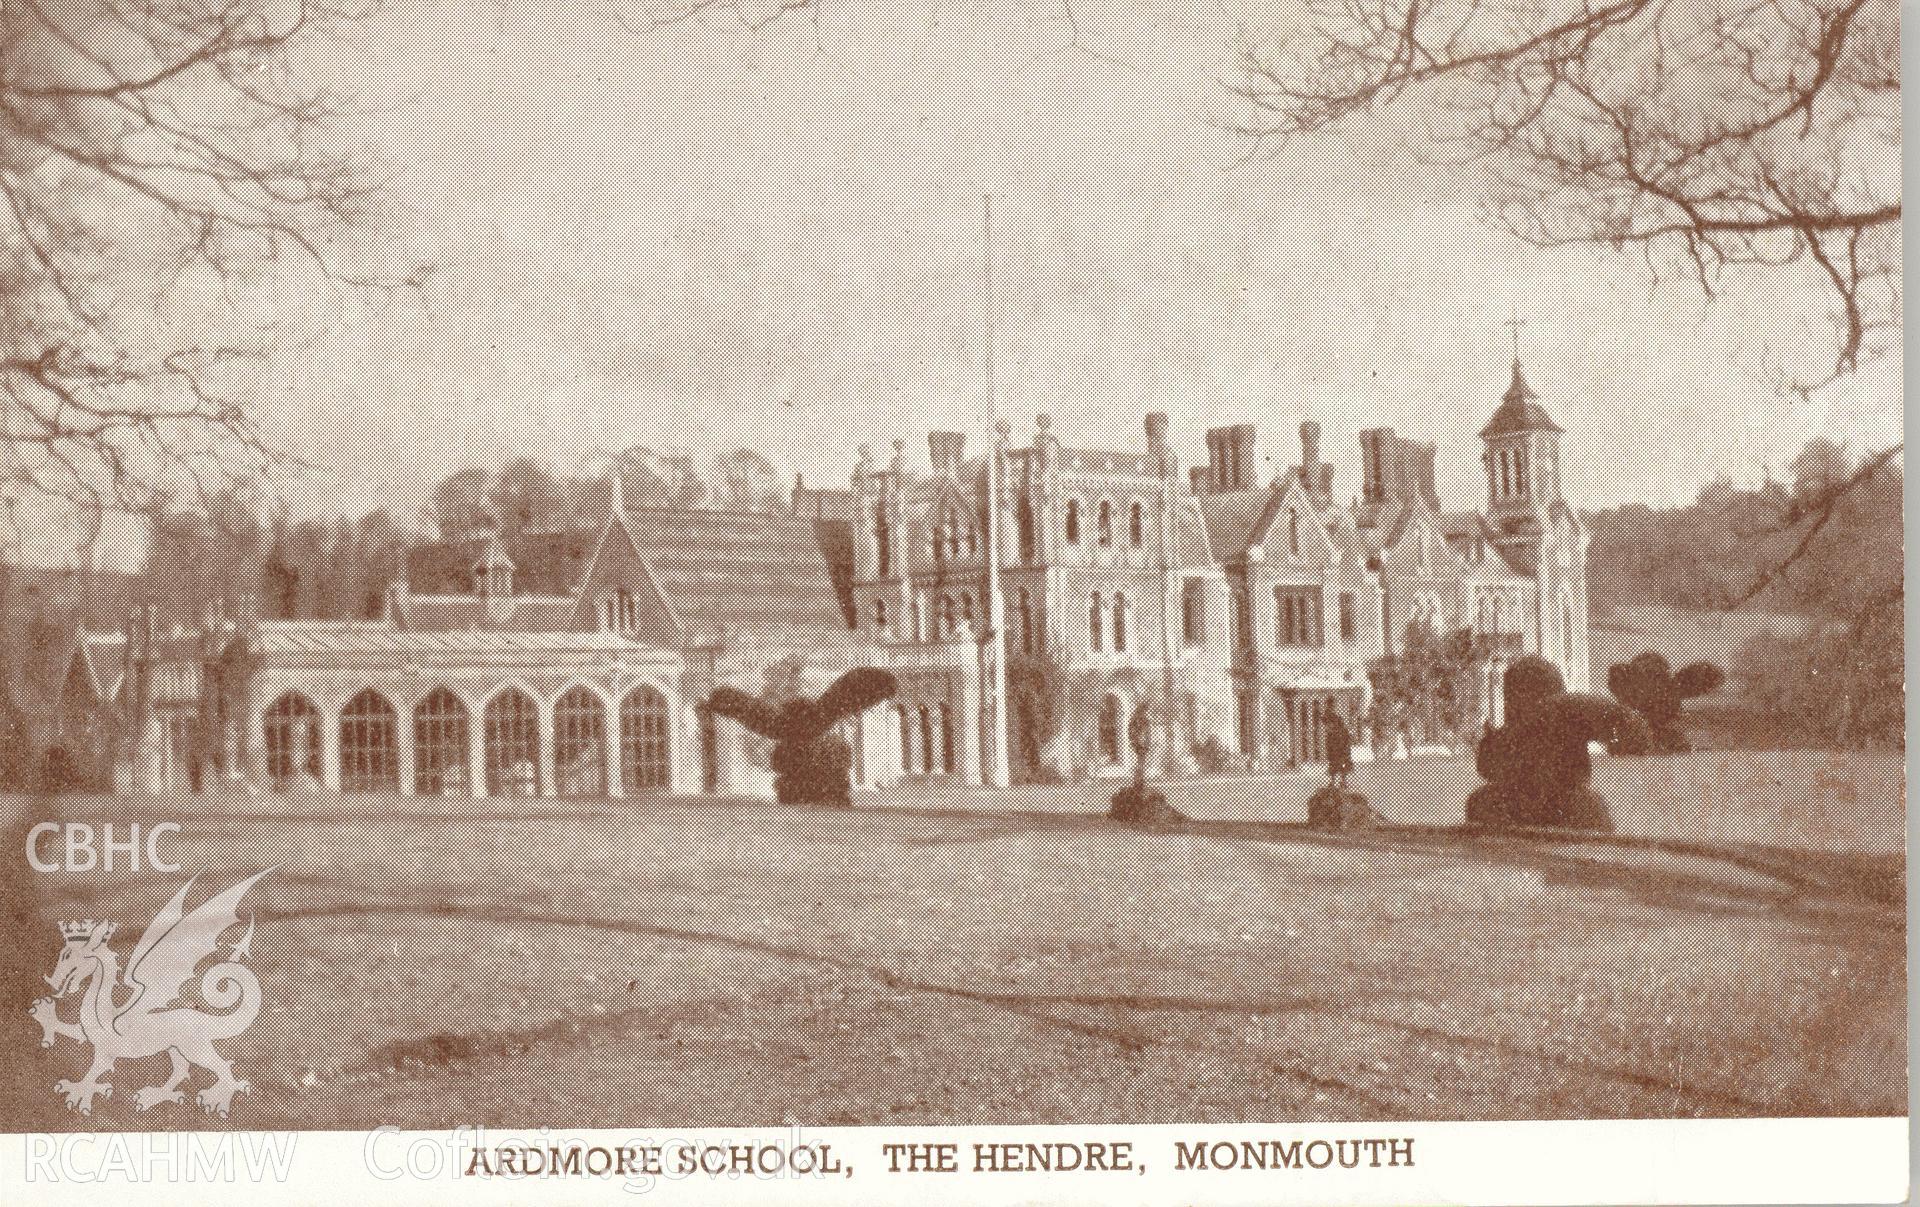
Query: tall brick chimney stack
[1230, 454]
[1157, 449]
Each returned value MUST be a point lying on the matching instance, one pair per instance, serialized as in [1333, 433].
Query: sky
[706, 237]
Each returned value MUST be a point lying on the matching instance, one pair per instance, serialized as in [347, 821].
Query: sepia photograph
[1166, 589]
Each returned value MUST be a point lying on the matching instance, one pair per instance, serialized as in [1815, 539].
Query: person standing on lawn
[1339, 748]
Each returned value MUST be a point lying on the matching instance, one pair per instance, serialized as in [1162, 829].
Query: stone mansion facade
[572, 660]
[1254, 607]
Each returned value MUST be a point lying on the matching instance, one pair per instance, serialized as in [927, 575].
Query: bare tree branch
[161, 161]
[1706, 134]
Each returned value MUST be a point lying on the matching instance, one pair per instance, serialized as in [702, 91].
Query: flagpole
[999, 769]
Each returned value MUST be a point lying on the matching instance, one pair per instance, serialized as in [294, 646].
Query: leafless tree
[164, 166]
[1735, 141]
[1717, 137]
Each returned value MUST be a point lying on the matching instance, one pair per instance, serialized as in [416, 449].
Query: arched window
[972, 537]
[953, 530]
[1293, 532]
[644, 749]
[510, 733]
[946, 739]
[1120, 624]
[1026, 622]
[1106, 524]
[927, 748]
[1113, 727]
[440, 744]
[1096, 624]
[1071, 527]
[949, 618]
[1023, 528]
[1136, 526]
[580, 744]
[369, 744]
[880, 615]
[293, 740]
[882, 543]
[966, 606]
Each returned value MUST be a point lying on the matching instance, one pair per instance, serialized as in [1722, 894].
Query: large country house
[572, 660]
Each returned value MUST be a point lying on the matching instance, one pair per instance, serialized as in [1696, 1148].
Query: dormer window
[493, 573]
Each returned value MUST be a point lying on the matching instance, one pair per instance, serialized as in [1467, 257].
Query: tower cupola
[493, 571]
[1522, 450]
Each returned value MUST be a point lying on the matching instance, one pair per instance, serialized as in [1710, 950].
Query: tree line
[1826, 542]
[229, 552]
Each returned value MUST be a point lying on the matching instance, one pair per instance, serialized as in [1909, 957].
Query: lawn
[974, 957]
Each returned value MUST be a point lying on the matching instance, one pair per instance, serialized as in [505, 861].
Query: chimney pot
[1157, 432]
[946, 450]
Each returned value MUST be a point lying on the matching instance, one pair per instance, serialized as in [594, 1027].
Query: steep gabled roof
[1289, 495]
[726, 572]
[1235, 518]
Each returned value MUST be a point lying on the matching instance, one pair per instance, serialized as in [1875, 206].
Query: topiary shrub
[1536, 765]
[811, 764]
[1648, 685]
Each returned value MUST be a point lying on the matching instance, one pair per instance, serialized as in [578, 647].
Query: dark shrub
[1648, 685]
[1536, 765]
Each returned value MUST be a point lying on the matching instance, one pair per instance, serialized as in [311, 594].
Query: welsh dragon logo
[127, 1016]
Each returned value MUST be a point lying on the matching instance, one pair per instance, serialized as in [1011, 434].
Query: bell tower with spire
[1522, 450]
[1539, 534]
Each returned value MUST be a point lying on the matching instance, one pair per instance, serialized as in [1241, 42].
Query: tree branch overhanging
[161, 164]
[1709, 135]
